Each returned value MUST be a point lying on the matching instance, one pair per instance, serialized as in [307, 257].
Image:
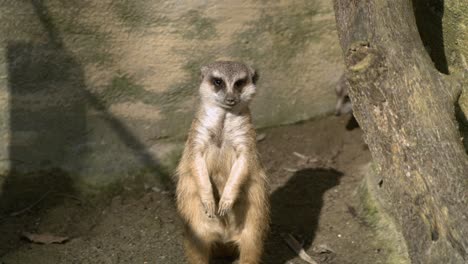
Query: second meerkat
[222, 189]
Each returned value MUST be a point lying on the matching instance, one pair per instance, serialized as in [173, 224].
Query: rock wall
[443, 26]
[106, 89]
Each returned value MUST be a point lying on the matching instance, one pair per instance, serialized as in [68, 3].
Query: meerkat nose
[230, 101]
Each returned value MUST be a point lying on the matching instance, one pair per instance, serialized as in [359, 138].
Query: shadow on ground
[296, 210]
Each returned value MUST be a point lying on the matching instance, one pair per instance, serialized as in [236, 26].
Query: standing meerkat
[222, 189]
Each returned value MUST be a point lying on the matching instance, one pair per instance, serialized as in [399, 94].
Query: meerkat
[222, 188]
[343, 103]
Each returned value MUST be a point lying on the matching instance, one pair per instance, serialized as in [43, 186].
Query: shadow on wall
[296, 209]
[48, 129]
[429, 14]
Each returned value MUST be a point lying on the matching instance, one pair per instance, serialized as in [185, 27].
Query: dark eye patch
[239, 84]
[217, 82]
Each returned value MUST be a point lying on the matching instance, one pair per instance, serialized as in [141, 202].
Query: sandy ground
[312, 198]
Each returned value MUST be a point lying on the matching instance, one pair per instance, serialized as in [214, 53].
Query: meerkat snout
[230, 100]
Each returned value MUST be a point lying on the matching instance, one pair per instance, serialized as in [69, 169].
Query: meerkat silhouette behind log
[343, 103]
[222, 193]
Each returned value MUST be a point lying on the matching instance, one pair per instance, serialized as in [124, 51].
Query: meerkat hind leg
[250, 249]
[197, 250]
[225, 252]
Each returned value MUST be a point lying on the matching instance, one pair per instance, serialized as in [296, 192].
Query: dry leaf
[45, 238]
[323, 249]
[261, 137]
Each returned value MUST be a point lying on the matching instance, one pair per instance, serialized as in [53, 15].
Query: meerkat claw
[224, 207]
[209, 209]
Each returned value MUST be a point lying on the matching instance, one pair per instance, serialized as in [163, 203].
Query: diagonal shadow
[295, 209]
[48, 130]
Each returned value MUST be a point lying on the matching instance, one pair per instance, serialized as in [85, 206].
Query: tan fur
[221, 185]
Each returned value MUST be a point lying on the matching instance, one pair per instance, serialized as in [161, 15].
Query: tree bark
[406, 110]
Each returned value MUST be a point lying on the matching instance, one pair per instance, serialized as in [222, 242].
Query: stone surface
[97, 87]
[455, 25]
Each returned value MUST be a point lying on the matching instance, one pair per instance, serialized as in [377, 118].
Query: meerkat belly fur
[222, 190]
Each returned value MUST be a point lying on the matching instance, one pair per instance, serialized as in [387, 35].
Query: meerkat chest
[219, 159]
[222, 148]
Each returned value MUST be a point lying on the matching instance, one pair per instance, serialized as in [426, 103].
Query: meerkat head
[228, 84]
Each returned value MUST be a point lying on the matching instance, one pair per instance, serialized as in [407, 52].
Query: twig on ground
[24, 210]
[75, 198]
[297, 247]
[290, 169]
[306, 159]
[302, 156]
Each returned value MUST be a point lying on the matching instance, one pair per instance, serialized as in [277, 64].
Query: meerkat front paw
[209, 206]
[225, 205]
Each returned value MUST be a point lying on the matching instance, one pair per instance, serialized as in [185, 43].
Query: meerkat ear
[255, 76]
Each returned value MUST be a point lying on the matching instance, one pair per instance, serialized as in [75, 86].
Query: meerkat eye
[239, 84]
[217, 82]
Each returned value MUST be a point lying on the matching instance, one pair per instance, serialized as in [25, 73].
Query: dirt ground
[314, 168]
